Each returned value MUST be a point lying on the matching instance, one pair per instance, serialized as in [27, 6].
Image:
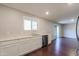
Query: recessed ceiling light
[46, 12]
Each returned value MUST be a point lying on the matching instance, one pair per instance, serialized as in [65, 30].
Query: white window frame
[31, 26]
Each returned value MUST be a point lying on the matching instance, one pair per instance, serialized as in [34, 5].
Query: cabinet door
[24, 46]
[9, 50]
[36, 42]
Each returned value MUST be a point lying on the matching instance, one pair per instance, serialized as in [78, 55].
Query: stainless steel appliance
[44, 41]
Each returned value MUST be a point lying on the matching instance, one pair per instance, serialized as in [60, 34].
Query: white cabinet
[20, 46]
[29, 45]
[36, 43]
[9, 50]
[24, 45]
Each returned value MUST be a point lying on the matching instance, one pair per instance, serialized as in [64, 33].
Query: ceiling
[57, 11]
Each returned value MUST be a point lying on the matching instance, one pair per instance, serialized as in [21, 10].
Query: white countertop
[6, 38]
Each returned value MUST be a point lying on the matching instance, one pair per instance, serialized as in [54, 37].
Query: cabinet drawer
[33, 40]
[5, 43]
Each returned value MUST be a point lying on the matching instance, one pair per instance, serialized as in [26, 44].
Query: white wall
[11, 23]
[69, 30]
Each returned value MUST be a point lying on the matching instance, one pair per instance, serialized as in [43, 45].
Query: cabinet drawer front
[5, 43]
[35, 40]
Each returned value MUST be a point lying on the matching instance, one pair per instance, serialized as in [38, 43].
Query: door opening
[57, 31]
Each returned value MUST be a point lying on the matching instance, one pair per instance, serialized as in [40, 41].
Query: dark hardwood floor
[58, 47]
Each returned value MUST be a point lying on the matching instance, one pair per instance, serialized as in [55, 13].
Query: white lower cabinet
[22, 46]
[9, 50]
[29, 45]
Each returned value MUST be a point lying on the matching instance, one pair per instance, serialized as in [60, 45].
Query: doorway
[57, 31]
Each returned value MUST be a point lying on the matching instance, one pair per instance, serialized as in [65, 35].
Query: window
[30, 25]
[34, 25]
[27, 24]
